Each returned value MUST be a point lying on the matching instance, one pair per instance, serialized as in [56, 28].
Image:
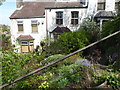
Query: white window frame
[20, 23]
[60, 20]
[74, 18]
[34, 22]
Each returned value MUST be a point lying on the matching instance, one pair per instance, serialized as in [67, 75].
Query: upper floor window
[20, 26]
[34, 25]
[117, 5]
[74, 17]
[59, 18]
[101, 5]
[84, 2]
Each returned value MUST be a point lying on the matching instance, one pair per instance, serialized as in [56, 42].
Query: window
[20, 26]
[24, 42]
[27, 46]
[117, 5]
[59, 18]
[34, 24]
[74, 17]
[56, 35]
[83, 2]
[101, 5]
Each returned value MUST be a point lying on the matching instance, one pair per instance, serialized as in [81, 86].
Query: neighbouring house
[32, 22]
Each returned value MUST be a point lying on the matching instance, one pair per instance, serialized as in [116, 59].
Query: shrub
[111, 45]
[68, 75]
[73, 41]
[92, 30]
[67, 42]
[15, 65]
[54, 48]
[112, 80]
[51, 58]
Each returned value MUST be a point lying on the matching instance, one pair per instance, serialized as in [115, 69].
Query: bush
[54, 48]
[15, 65]
[111, 45]
[73, 41]
[92, 30]
[112, 80]
[75, 73]
[67, 42]
[51, 58]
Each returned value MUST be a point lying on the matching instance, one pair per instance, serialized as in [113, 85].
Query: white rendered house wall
[51, 18]
[38, 36]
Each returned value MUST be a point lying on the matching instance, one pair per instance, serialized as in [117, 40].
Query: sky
[6, 10]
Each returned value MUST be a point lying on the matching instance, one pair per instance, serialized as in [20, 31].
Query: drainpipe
[47, 33]
[101, 25]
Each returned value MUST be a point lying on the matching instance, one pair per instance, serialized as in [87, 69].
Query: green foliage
[111, 27]
[73, 41]
[67, 43]
[15, 65]
[67, 75]
[5, 37]
[54, 48]
[92, 30]
[110, 46]
[51, 58]
[112, 80]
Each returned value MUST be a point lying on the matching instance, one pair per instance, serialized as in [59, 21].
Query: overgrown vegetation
[84, 70]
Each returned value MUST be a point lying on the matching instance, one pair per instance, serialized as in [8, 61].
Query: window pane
[59, 18]
[74, 21]
[24, 48]
[59, 21]
[59, 14]
[34, 22]
[20, 22]
[20, 27]
[74, 17]
[31, 43]
[101, 6]
[34, 28]
[24, 42]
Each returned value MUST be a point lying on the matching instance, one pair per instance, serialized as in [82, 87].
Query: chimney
[19, 3]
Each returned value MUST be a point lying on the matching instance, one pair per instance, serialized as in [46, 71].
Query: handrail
[58, 60]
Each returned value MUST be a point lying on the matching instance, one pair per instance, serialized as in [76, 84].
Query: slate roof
[61, 30]
[25, 37]
[37, 9]
[103, 14]
[66, 5]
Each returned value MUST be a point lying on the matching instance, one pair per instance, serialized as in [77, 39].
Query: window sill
[59, 24]
[34, 32]
[20, 32]
[74, 24]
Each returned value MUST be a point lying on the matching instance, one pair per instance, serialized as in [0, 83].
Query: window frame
[74, 18]
[29, 44]
[84, 2]
[33, 23]
[20, 23]
[59, 17]
[101, 4]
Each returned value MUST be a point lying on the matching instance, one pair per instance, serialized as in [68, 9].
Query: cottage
[32, 22]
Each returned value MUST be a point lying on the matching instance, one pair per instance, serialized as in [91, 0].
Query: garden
[95, 67]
